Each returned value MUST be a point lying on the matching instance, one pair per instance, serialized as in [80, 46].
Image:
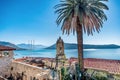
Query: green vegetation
[65, 75]
[89, 75]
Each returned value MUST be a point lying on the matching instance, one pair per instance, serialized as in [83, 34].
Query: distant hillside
[3, 43]
[29, 46]
[67, 46]
[85, 46]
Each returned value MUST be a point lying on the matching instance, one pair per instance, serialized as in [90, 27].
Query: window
[5, 53]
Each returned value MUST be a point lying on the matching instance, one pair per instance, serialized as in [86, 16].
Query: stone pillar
[25, 77]
[59, 74]
[11, 54]
[0, 53]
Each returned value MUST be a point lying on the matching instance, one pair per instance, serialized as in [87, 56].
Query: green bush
[100, 78]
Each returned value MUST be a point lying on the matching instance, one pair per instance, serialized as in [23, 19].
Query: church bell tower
[60, 55]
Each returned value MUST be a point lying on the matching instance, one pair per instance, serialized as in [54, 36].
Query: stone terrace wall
[28, 71]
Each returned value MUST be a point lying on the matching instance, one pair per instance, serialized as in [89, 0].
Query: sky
[25, 20]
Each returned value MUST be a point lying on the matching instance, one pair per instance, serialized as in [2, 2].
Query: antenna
[29, 46]
[33, 44]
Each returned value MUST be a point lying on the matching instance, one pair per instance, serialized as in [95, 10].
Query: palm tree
[81, 15]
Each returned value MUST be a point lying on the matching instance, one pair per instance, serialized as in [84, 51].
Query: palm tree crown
[88, 13]
[79, 15]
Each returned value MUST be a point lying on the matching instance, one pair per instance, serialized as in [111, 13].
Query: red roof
[110, 66]
[6, 48]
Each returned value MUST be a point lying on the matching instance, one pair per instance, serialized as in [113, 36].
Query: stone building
[6, 57]
[26, 71]
[60, 55]
[23, 71]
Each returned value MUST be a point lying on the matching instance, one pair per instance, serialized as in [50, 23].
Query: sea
[113, 54]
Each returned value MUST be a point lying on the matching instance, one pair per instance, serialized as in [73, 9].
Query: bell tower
[60, 55]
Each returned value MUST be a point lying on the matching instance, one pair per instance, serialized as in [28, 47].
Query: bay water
[113, 54]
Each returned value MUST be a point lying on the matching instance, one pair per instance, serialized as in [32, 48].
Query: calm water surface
[88, 53]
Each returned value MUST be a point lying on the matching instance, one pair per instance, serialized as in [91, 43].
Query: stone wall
[28, 71]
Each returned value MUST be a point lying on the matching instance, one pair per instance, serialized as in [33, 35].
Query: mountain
[3, 43]
[29, 46]
[109, 46]
[85, 46]
[66, 46]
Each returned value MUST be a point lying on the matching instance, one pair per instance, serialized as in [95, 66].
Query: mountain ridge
[24, 46]
[86, 46]
[4, 43]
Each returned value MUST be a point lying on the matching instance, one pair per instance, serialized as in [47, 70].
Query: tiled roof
[6, 48]
[110, 66]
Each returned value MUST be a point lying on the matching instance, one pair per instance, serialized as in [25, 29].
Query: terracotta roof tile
[111, 66]
[3, 48]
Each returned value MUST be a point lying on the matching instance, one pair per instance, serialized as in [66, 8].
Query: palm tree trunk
[80, 46]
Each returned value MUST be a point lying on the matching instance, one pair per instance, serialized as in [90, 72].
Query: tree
[81, 15]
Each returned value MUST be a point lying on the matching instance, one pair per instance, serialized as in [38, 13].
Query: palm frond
[88, 13]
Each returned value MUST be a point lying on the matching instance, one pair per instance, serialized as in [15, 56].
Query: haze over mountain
[30, 46]
[21, 46]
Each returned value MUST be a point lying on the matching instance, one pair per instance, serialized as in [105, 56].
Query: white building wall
[5, 63]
